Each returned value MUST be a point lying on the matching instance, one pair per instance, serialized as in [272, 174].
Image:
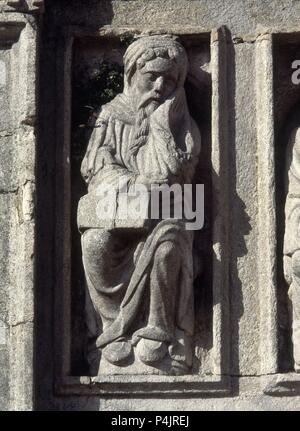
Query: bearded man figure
[140, 302]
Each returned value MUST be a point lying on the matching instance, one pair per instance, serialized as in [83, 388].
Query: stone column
[18, 137]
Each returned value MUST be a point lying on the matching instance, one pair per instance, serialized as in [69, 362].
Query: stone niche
[286, 105]
[97, 78]
[286, 120]
[93, 75]
[17, 189]
[239, 92]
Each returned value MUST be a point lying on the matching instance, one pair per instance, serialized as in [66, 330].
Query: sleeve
[96, 142]
[106, 177]
[100, 164]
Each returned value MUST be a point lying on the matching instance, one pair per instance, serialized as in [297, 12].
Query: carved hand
[171, 112]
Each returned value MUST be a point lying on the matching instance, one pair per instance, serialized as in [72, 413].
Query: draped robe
[140, 283]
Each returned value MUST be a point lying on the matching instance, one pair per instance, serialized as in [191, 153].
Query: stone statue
[292, 239]
[140, 281]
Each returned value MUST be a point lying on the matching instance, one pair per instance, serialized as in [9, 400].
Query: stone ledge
[144, 385]
[282, 384]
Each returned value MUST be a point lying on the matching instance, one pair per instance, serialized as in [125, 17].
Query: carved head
[155, 66]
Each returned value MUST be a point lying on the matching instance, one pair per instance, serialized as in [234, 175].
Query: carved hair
[150, 47]
[137, 55]
[142, 126]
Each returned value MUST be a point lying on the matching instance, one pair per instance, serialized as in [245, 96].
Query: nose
[159, 83]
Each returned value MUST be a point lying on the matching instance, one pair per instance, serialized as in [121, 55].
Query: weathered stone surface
[7, 205]
[245, 303]
[241, 70]
[240, 92]
[17, 190]
[136, 142]
[24, 6]
[292, 240]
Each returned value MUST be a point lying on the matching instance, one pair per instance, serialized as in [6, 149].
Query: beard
[151, 106]
[142, 123]
[148, 104]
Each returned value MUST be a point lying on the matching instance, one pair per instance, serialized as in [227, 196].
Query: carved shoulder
[99, 137]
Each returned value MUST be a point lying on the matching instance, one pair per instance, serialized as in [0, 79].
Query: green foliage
[92, 90]
[96, 89]
[126, 39]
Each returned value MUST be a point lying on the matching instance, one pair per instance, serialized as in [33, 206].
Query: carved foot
[181, 350]
[151, 351]
[179, 368]
[94, 356]
[117, 352]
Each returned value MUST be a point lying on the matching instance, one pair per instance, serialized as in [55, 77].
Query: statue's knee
[94, 241]
[167, 251]
[88, 239]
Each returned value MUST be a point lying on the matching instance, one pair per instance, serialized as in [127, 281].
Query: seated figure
[140, 281]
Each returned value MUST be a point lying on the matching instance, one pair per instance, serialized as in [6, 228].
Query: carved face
[155, 82]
